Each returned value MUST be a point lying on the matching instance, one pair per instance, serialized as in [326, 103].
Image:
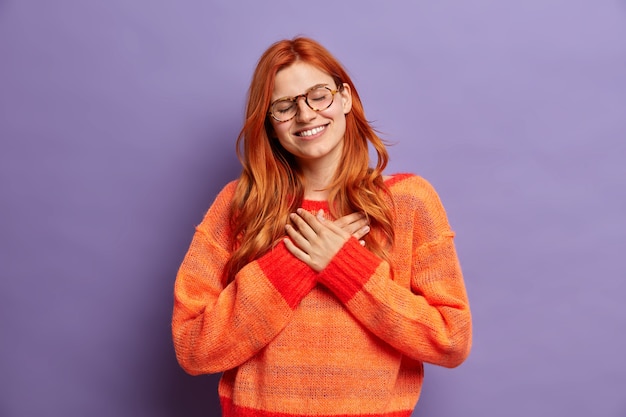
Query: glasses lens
[284, 109]
[319, 98]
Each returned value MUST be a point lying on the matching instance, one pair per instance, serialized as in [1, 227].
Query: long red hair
[270, 186]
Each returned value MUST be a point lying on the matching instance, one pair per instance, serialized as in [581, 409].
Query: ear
[346, 98]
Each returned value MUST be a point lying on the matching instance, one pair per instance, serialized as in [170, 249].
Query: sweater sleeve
[428, 319]
[216, 328]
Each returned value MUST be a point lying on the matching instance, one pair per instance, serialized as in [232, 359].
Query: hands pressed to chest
[315, 240]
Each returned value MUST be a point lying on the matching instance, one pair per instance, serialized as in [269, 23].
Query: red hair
[270, 186]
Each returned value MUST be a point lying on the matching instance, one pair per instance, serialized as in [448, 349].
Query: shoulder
[221, 205]
[227, 192]
[407, 184]
[414, 196]
[224, 196]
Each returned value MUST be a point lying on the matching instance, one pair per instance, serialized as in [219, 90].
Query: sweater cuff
[291, 277]
[349, 270]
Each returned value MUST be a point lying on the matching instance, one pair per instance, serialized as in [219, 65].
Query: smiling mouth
[311, 132]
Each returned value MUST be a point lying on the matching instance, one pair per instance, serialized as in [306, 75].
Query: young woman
[317, 285]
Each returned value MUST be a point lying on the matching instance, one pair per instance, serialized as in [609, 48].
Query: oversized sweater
[350, 340]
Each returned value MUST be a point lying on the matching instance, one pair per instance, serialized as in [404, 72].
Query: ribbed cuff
[349, 270]
[291, 277]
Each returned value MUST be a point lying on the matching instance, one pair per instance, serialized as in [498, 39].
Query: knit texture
[348, 341]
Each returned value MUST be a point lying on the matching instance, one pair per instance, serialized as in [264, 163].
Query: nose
[305, 113]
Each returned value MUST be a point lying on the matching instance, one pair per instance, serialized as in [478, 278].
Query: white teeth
[312, 131]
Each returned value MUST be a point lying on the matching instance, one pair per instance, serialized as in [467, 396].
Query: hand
[355, 223]
[315, 240]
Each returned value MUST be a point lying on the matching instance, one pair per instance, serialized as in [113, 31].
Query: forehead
[297, 78]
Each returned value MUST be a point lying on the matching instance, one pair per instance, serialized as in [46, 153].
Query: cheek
[281, 134]
[276, 129]
[281, 131]
[340, 123]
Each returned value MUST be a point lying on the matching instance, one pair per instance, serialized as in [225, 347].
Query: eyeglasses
[318, 98]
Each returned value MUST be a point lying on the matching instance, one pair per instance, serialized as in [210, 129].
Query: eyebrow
[306, 91]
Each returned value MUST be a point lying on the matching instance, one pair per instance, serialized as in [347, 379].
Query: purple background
[117, 128]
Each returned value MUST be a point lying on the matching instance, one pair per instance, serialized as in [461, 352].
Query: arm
[429, 322]
[216, 328]
[427, 318]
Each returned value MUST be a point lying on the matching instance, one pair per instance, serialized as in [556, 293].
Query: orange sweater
[349, 341]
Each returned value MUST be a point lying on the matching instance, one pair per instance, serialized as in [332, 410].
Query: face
[313, 137]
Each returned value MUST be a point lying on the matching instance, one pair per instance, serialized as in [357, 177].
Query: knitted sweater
[348, 341]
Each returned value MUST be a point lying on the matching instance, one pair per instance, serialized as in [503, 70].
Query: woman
[314, 283]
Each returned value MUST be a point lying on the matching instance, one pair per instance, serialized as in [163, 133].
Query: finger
[361, 232]
[303, 224]
[296, 251]
[349, 219]
[314, 231]
[357, 226]
[297, 239]
[334, 229]
[311, 221]
[354, 222]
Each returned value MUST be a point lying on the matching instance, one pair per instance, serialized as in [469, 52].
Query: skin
[317, 155]
[315, 240]
[311, 238]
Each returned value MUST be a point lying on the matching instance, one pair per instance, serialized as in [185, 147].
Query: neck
[316, 180]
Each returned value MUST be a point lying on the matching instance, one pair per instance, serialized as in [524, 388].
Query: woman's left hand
[314, 240]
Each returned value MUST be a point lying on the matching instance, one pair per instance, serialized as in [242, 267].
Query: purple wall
[117, 124]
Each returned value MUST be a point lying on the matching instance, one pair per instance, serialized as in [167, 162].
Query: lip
[298, 133]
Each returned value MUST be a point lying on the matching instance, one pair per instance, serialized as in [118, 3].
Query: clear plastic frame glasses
[318, 98]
